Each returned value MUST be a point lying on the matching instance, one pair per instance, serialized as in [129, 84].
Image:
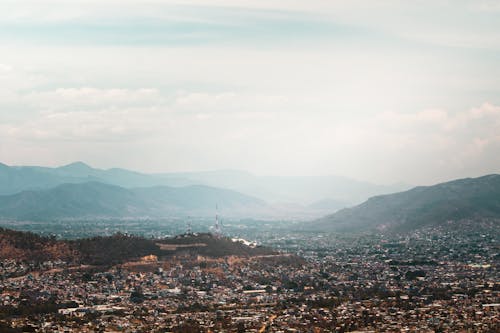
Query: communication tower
[188, 226]
[218, 224]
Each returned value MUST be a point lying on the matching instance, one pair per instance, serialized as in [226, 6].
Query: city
[434, 280]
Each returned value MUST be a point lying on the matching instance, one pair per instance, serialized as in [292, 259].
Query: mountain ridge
[274, 189]
[95, 199]
[467, 198]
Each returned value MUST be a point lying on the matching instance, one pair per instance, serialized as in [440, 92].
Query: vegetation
[115, 249]
[21, 245]
[214, 246]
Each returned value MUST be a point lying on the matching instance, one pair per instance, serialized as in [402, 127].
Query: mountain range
[306, 192]
[462, 199]
[79, 191]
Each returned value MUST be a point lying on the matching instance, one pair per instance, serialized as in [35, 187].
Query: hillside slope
[470, 198]
[118, 248]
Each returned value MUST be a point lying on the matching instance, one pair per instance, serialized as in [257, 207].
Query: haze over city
[381, 91]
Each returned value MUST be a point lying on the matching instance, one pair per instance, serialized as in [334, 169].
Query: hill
[206, 244]
[470, 198]
[94, 199]
[21, 245]
[118, 248]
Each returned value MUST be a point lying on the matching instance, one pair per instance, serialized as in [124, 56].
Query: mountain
[277, 190]
[94, 199]
[16, 179]
[304, 190]
[328, 205]
[470, 198]
[20, 178]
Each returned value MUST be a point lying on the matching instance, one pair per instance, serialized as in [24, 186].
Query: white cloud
[417, 147]
[88, 126]
[70, 99]
[5, 68]
[425, 146]
[463, 24]
[236, 102]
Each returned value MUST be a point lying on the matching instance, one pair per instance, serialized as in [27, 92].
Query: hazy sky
[384, 91]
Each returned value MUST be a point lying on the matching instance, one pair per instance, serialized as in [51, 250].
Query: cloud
[444, 121]
[155, 23]
[430, 144]
[92, 114]
[245, 104]
[260, 133]
[270, 23]
[84, 126]
[73, 99]
[5, 68]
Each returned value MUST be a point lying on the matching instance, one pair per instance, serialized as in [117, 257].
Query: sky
[383, 91]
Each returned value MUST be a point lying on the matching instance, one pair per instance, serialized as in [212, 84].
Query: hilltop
[118, 248]
[20, 245]
[206, 244]
[463, 199]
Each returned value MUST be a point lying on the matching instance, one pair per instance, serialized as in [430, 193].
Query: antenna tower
[218, 225]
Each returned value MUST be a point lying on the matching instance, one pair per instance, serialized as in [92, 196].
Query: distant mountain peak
[76, 166]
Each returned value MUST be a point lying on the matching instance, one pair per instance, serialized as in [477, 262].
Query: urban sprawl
[433, 280]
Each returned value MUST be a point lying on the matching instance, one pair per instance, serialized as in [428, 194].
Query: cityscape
[435, 280]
